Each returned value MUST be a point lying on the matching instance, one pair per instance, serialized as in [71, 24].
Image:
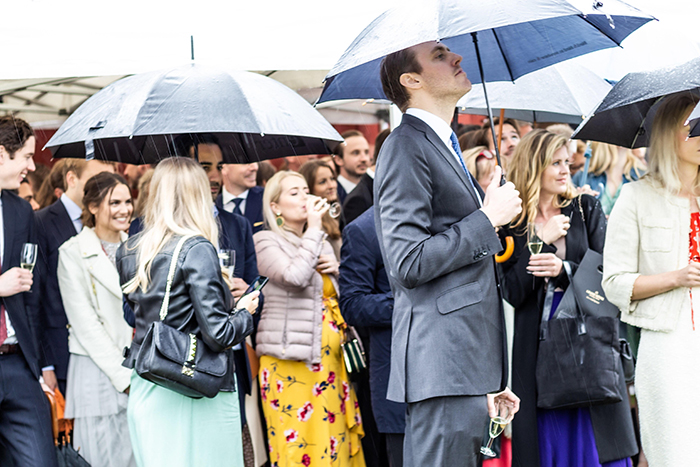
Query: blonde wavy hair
[179, 203]
[272, 193]
[530, 159]
[604, 156]
[663, 145]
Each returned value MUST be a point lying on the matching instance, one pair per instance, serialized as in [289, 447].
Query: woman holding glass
[309, 404]
[567, 225]
[97, 383]
[651, 269]
[166, 427]
[322, 183]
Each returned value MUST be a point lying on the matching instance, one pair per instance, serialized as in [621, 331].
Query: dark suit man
[438, 240]
[240, 195]
[25, 420]
[54, 225]
[366, 300]
[360, 199]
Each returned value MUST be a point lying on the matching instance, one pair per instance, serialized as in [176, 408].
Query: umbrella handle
[510, 248]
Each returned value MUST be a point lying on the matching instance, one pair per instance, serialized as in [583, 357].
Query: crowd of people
[406, 265]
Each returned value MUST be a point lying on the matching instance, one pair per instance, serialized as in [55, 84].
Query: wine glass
[496, 425]
[227, 258]
[534, 242]
[334, 210]
[28, 259]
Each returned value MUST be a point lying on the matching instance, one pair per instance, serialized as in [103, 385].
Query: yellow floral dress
[312, 414]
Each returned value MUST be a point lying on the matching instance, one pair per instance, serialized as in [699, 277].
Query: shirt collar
[226, 196]
[370, 172]
[439, 126]
[74, 211]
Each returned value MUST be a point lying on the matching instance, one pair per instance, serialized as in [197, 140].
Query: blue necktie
[458, 150]
[237, 207]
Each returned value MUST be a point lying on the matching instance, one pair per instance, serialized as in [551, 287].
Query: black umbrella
[138, 119]
[624, 117]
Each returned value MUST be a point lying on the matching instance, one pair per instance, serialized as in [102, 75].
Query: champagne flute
[28, 259]
[496, 426]
[534, 242]
[227, 258]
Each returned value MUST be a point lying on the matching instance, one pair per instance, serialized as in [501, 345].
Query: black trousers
[394, 449]
[25, 417]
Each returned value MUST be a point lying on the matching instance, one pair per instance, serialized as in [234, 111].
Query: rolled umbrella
[625, 116]
[499, 40]
[562, 93]
[139, 119]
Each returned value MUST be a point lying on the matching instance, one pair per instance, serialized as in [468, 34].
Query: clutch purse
[353, 353]
[177, 360]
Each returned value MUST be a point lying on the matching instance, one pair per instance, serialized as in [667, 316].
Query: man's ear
[410, 81]
[71, 177]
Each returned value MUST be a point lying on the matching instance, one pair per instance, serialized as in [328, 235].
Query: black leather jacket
[200, 301]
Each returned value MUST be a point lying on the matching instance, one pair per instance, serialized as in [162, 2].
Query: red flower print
[275, 404]
[334, 446]
[331, 417]
[333, 326]
[346, 391]
[306, 460]
[317, 390]
[291, 435]
[315, 367]
[263, 392]
[358, 418]
[265, 376]
[331, 377]
[342, 407]
[280, 386]
[304, 413]
[357, 405]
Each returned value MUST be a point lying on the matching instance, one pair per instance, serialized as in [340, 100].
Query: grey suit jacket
[438, 247]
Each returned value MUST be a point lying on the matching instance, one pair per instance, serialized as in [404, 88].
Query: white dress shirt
[346, 184]
[11, 337]
[75, 212]
[444, 132]
[227, 200]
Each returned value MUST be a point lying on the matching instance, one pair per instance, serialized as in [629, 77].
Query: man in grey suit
[437, 231]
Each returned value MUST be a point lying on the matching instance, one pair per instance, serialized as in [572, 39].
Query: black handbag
[578, 359]
[177, 360]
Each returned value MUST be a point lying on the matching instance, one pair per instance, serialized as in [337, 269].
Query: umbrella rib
[503, 53]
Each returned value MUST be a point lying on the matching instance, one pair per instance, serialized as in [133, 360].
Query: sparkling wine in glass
[227, 258]
[496, 426]
[28, 258]
[534, 242]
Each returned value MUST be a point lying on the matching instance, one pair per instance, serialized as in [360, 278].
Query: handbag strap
[171, 274]
[549, 299]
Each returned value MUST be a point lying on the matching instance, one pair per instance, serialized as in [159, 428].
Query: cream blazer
[648, 233]
[92, 298]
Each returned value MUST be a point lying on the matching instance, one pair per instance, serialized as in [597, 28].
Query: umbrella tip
[192, 47]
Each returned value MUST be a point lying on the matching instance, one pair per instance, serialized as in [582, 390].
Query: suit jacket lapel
[444, 152]
[9, 217]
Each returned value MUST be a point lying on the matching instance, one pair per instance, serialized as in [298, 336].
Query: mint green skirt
[168, 429]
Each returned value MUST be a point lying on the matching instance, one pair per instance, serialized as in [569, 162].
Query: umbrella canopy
[137, 119]
[514, 38]
[624, 117]
[563, 93]
[694, 121]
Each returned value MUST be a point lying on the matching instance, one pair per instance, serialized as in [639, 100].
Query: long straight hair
[530, 159]
[179, 203]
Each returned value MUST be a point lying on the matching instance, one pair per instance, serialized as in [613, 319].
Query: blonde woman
[98, 384]
[167, 428]
[310, 406]
[568, 225]
[652, 273]
[481, 163]
[611, 167]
